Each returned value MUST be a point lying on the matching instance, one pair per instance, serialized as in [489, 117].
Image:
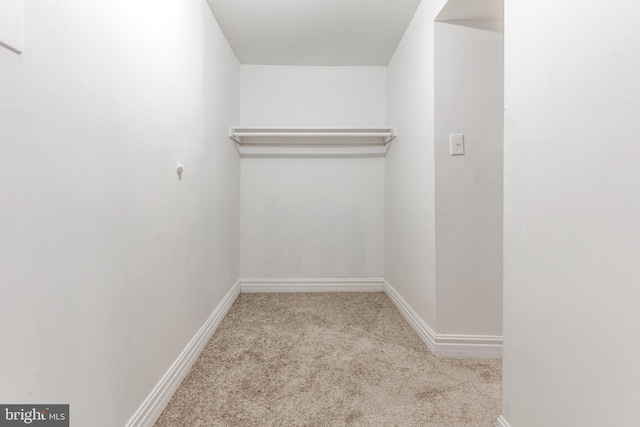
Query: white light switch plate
[456, 143]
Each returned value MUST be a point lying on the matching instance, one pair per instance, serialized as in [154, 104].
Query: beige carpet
[329, 359]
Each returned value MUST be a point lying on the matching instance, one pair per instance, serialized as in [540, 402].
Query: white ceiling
[314, 32]
[463, 10]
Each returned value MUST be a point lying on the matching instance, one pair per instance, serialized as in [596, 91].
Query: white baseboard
[446, 345]
[311, 285]
[154, 404]
[502, 422]
[481, 346]
[421, 327]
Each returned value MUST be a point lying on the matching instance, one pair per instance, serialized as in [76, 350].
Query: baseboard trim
[421, 327]
[446, 345]
[481, 346]
[502, 422]
[154, 404]
[311, 285]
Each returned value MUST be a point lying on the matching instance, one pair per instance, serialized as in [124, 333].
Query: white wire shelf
[307, 141]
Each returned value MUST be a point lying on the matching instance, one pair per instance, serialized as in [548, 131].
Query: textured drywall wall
[312, 217]
[572, 236]
[108, 263]
[410, 251]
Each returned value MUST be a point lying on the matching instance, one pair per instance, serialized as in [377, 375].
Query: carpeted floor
[329, 359]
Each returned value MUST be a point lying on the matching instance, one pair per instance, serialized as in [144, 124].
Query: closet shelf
[311, 142]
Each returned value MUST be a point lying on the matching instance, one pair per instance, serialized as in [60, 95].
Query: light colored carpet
[329, 359]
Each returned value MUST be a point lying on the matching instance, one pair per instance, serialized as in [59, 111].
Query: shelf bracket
[390, 138]
[232, 135]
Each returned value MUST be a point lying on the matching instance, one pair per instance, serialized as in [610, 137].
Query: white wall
[410, 251]
[108, 263]
[320, 217]
[469, 99]
[12, 25]
[572, 203]
[274, 95]
[312, 218]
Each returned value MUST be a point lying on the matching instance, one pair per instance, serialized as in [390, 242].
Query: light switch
[456, 142]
